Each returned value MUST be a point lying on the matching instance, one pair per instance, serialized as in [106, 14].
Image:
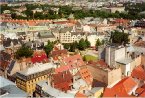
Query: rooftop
[4, 82]
[121, 89]
[125, 61]
[46, 87]
[9, 89]
[38, 67]
[138, 72]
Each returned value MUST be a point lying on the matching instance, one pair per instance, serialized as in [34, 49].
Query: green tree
[72, 47]
[66, 46]
[98, 43]
[119, 37]
[88, 44]
[49, 47]
[103, 42]
[23, 52]
[82, 44]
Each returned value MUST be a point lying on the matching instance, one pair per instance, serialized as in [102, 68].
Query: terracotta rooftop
[121, 89]
[80, 95]
[100, 63]
[140, 44]
[64, 68]
[75, 60]
[86, 75]
[139, 90]
[61, 77]
[58, 52]
[121, 21]
[139, 73]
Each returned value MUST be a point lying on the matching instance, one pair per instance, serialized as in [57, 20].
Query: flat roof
[124, 61]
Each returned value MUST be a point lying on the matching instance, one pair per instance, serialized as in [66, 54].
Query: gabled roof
[74, 60]
[86, 75]
[121, 89]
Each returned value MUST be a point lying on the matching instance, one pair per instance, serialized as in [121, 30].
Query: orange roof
[100, 62]
[138, 73]
[121, 21]
[139, 90]
[79, 95]
[74, 60]
[121, 89]
[142, 95]
[140, 44]
[86, 75]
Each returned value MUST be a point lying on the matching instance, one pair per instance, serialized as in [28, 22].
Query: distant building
[66, 35]
[140, 24]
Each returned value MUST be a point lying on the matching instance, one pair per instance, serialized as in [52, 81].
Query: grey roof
[21, 33]
[77, 33]
[10, 67]
[65, 29]
[125, 61]
[4, 82]
[13, 91]
[95, 89]
[45, 34]
[136, 49]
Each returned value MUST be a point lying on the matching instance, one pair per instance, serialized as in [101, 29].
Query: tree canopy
[119, 37]
[131, 12]
[82, 45]
[49, 47]
[98, 43]
[24, 52]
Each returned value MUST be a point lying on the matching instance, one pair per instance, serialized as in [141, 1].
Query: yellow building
[27, 79]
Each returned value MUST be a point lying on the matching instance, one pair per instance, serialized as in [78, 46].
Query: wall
[105, 76]
[114, 76]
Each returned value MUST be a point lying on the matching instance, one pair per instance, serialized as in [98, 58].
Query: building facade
[27, 79]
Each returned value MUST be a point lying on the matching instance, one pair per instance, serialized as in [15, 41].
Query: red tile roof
[4, 64]
[139, 90]
[142, 95]
[80, 95]
[86, 75]
[75, 60]
[63, 68]
[62, 80]
[39, 56]
[100, 62]
[139, 73]
[140, 44]
[121, 21]
[58, 52]
[61, 77]
[121, 89]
